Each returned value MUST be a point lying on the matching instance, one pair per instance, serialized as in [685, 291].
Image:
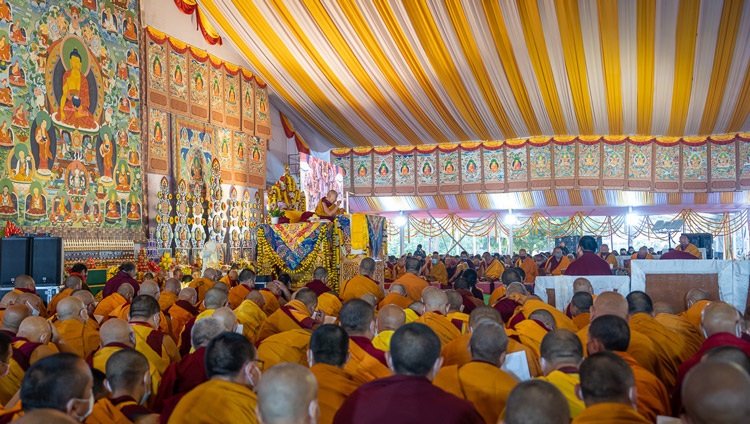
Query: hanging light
[400, 220]
[510, 218]
[632, 219]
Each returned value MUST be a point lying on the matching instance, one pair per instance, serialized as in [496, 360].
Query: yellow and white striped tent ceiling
[389, 72]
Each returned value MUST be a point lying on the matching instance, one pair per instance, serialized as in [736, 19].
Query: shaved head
[455, 300]
[287, 393]
[14, 315]
[116, 330]
[693, 296]
[435, 300]
[663, 308]
[582, 285]
[367, 267]
[33, 301]
[639, 303]
[484, 313]
[517, 288]
[398, 288]
[172, 285]
[204, 331]
[610, 303]
[149, 288]
[391, 317]
[417, 307]
[73, 282]
[605, 377]
[717, 393]
[256, 297]
[70, 308]
[226, 317]
[545, 317]
[219, 285]
[215, 298]
[720, 317]
[308, 297]
[36, 330]
[356, 317]
[10, 298]
[729, 354]
[536, 402]
[488, 343]
[329, 344]
[24, 282]
[86, 297]
[559, 348]
[370, 298]
[582, 302]
[126, 291]
[126, 369]
[189, 295]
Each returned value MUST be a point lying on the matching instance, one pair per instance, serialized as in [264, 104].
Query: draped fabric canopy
[389, 72]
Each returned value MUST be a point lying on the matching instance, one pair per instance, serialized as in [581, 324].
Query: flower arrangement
[275, 212]
[166, 261]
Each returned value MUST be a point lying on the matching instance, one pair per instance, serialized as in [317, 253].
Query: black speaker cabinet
[14, 254]
[46, 260]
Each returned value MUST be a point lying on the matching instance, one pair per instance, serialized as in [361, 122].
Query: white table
[563, 286]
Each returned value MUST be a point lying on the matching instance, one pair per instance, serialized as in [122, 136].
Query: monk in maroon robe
[588, 262]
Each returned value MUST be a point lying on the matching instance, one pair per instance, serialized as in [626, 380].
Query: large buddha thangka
[70, 113]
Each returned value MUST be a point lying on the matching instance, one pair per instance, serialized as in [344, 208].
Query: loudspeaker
[14, 254]
[46, 260]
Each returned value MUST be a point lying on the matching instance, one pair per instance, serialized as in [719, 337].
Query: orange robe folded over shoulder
[358, 286]
[334, 386]
[413, 284]
[457, 353]
[494, 270]
[292, 316]
[105, 412]
[329, 304]
[402, 302]
[441, 325]
[77, 337]
[52, 307]
[237, 295]
[166, 300]
[199, 405]
[366, 363]
[653, 399]
[289, 346]
[251, 316]
[607, 412]
[107, 305]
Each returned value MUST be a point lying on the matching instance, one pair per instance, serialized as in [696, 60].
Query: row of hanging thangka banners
[204, 94]
[696, 164]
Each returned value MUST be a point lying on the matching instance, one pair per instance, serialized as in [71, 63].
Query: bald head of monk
[256, 297]
[32, 301]
[581, 303]
[189, 295]
[415, 351]
[536, 402]
[545, 317]
[126, 291]
[329, 344]
[693, 296]
[608, 332]
[206, 330]
[116, 330]
[435, 301]
[226, 317]
[24, 282]
[308, 297]
[517, 288]
[663, 308]
[220, 285]
[488, 343]
[357, 318]
[233, 275]
[390, 317]
[172, 285]
[367, 267]
[128, 374]
[145, 309]
[560, 348]
[606, 378]
[9, 299]
[288, 394]
[211, 274]
[582, 285]
[398, 288]
[87, 298]
[62, 382]
[455, 301]
[215, 298]
[729, 354]
[73, 282]
[639, 303]
[484, 313]
[36, 329]
[370, 298]
[247, 277]
[231, 357]
[412, 265]
[72, 308]
[717, 393]
[720, 317]
[150, 288]
[610, 303]
[13, 316]
[417, 307]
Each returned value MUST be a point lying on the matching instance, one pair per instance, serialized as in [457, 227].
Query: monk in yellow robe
[122, 296]
[148, 288]
[557, 263]
[532, 303]
[562, 353]
[366, 363]
[362, 283]
[24, 284]
[435, 270]
[329, 348]
[389, 319]
[170, 294]
[159, 348]
[686, 246]
[296, 314]
[230, 384]
[327, 208]
[272, 301]
[250, 314]
[481, 381]
[183, 311]
[204, 283]
[75, 336]
[612, 333]
[288, 346]
[411, 280]
[691, 336]
[580, 308]
[246, 284]
[330, 304]
[528, 265]
[455, 311]
[696, 301]
[398, 296]
[498, 294]
[435, 308]
[642, 254]
[531, 331]
[608, 256]
[72, 283]
[492, 268]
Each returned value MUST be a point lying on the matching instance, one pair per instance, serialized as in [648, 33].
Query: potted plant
[275, 214]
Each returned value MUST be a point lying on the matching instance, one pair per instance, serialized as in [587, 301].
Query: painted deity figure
[7, 205]
[41, 136]
[105, 149]
[75, 103]
[35, 205]
[22, 171]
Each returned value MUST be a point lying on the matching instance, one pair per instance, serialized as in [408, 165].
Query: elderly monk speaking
[288, 393]
[228, 394]
[536, 401]
[561, 353]
[435, 309]
[329, 352]
[608, 390]
[686, 246]
[413, 283]
[75, 336]
[362, 283]
[414, 359]
[481, 381]
[366, 362]
[612, 333]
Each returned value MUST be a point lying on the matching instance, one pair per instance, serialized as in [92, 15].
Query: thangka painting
[540, 167]
[179, 77]
[450, 169]
[426, 172]
[613, 165]
[193, 152]
[248, 101]
[262, 110]
[639, 165]
[362, 173]
[589, 163]
[723, 166]
[240, 155]
[256, 169]
[383, 173]
[70, 114]
[493, 164]
[223, 152]
[343, 163]
[667, 167]
[216, 90]
[565, 165]
[517, 167]
[405, 175]
[232, 96]
[198, 80]
[157, 51]
[471, 169]
[158, 141]
[694, 167]
[744, 163]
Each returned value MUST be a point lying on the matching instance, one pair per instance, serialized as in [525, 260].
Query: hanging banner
[517, 166]
[493, 162]
[344, 163]
[724, 165]
[240, 154]
[613, 165]
[695, 168]
[565, 165]
[248, 101]
[589, 164]
[157, 59]
[223, 152]
[450, 168]
[193, 152]
[362, 168]
[178, 76]
[199, 81]
[158, 141]
[744, 163]
[427, 172]
[667, 168]
[471, 167]
[262, 110]
[216, 90]
[640, 161]
[257, 165]
[404, 164]
[232, 95]
[540, 167]
[383, 173]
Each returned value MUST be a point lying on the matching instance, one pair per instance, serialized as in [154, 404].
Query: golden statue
[285, 193]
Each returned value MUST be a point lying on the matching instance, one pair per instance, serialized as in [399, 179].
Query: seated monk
[435, 271]
[329, 351]
[611, 333]
[148, 288]
[481, 381]
[24, 284]
[435, 308]
[250, 315]
[691, 336]
[695, 301]
[716, 390]
[411, 280]
[580, 308]
[288, 346]
[330, 304]
[463, 288]
[72, 283]
[536, 401]
[588, 262]
[398, 296]
[455, 311]
[7, 300]
[157, 347]
[390, 318]
[35, 340]
[414, 359]
[457, 351]
[492, 268]
[642, 254]
[170, 294]
[532, 330]
[215, 298]
[231, 279]
[580, 284]
[319, 283]
[129, 381]
[296, 314]
[187, 374]
[562, 352]
[288, 393]
[366, 362]
[557, 263]
[122, 296]
[34, 302]
[362, 283]
[534, 303]
[528, 265]
[183, 311]
[12, 319]
[90, 303]
[608, 256]
[204, 283]
[75, 336]
[607, 388]
[327, 207]
[232, 370]
[686, 246]
[238, 293]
